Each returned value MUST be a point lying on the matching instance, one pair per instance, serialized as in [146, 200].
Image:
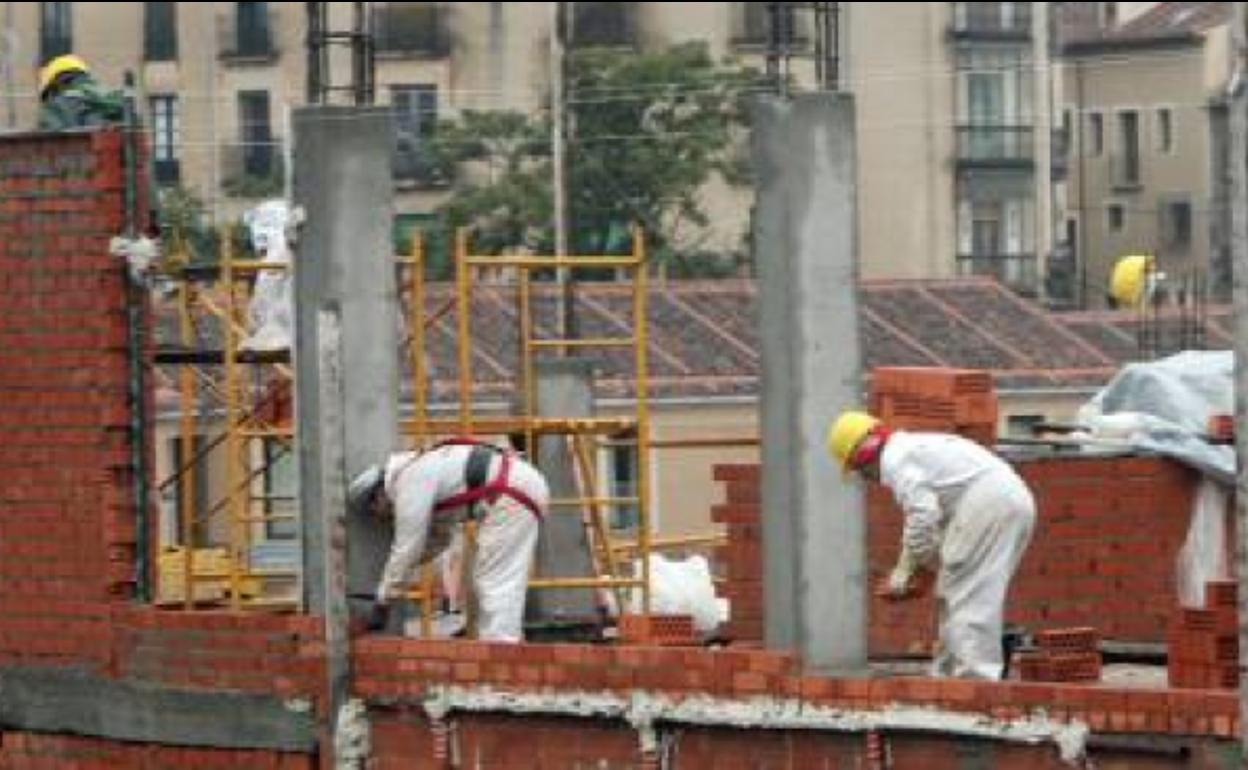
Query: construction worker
[1134, 280]
[71, 98]
[967, 514]
[429, 494]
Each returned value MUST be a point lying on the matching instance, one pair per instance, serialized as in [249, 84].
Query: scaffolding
[583, 434]
[247, 388]
[250, 391]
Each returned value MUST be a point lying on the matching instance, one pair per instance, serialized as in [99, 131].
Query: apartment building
[954, 118]
[1144, 112]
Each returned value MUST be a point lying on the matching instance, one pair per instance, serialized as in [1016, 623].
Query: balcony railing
[1018, 271]
[252, 169]
[996, 145]
[991, 21]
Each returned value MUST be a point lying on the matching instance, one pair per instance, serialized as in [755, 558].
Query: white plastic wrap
[682, 588]
[271, 302]
[1203, 556]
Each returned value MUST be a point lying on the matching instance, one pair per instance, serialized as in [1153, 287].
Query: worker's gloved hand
[378, 617]
[903, 584]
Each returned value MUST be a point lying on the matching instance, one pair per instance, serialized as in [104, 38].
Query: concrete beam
[805, 236]
[59, 701]
[565, 388]
[345, 265]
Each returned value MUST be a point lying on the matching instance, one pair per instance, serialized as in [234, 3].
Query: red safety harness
[489, 491]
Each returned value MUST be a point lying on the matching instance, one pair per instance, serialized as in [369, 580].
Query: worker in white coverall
[431, 493]
[967, 514]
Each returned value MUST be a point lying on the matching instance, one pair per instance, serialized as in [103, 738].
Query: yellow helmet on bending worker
[1132, 280]
[847, 434]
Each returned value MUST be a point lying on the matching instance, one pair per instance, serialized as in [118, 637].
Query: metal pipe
[641, 395]
[538, 263]
[463, 287]
[420, 377]
[187, 507]
[234, 473]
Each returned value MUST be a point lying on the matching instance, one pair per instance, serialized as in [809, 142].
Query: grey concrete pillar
[805, 235]
[565, 388]
[344, 267]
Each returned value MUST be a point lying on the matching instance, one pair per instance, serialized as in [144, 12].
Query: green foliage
[646, 133]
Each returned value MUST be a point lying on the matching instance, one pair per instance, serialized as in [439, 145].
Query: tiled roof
[703, 341]
[1079, 25]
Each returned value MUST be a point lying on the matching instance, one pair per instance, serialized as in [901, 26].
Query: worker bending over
[966, 511]
[429, 494]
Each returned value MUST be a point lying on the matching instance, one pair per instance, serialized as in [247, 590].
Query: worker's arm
[414, 498]
[920, 538]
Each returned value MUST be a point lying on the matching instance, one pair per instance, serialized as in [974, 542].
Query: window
[622, 469]
[1176, 225]
[1127, 168]
[198, 506]
[160, 31]
[255, 133]
[56, 35]
[1023, 425]
[754, 23]
[251, 30]
[415, 118]
[1115, 217]
[1165, 130]
[279, 492]
[413, 28]
[1109, 15]
[602, 25]
[1096, 134]
[990, 18]
[166, 134]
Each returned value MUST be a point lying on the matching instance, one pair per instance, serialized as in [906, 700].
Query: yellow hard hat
[1129, 283]
[57, 67]
[847, 433]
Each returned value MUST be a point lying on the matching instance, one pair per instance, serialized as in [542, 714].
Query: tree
[649, 131]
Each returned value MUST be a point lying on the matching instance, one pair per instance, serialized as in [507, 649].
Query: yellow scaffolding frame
[468, 422]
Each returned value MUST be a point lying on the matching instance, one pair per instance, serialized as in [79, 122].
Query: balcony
[996, 146]
[252, 169]
[415, 30]
[992, 22]
[1018, 271]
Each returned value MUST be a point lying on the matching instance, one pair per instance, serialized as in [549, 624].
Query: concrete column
[345, 266]
[805, 235]
[565, 388]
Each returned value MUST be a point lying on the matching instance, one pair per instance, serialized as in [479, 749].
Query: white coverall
[967, 507]
[507, 538]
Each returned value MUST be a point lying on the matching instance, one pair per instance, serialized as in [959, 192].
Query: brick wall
[67, 537]
[397, 674]
[1102, 555]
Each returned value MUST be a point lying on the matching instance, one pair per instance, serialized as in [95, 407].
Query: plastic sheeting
[271, 303]
[1163, 407]
[682, 587]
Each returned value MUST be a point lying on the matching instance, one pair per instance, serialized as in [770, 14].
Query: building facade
[953, 106]
[1144, 114]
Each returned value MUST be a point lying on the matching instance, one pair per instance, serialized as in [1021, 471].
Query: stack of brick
[1063, 655]
[1204, 641]
[959, 401]
[741, 558]
[658, 630]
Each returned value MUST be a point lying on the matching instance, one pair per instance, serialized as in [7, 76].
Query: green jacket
[82, 103]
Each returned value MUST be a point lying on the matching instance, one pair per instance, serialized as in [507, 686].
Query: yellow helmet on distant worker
[847, 433]
[1129, 283]
[57, 67]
